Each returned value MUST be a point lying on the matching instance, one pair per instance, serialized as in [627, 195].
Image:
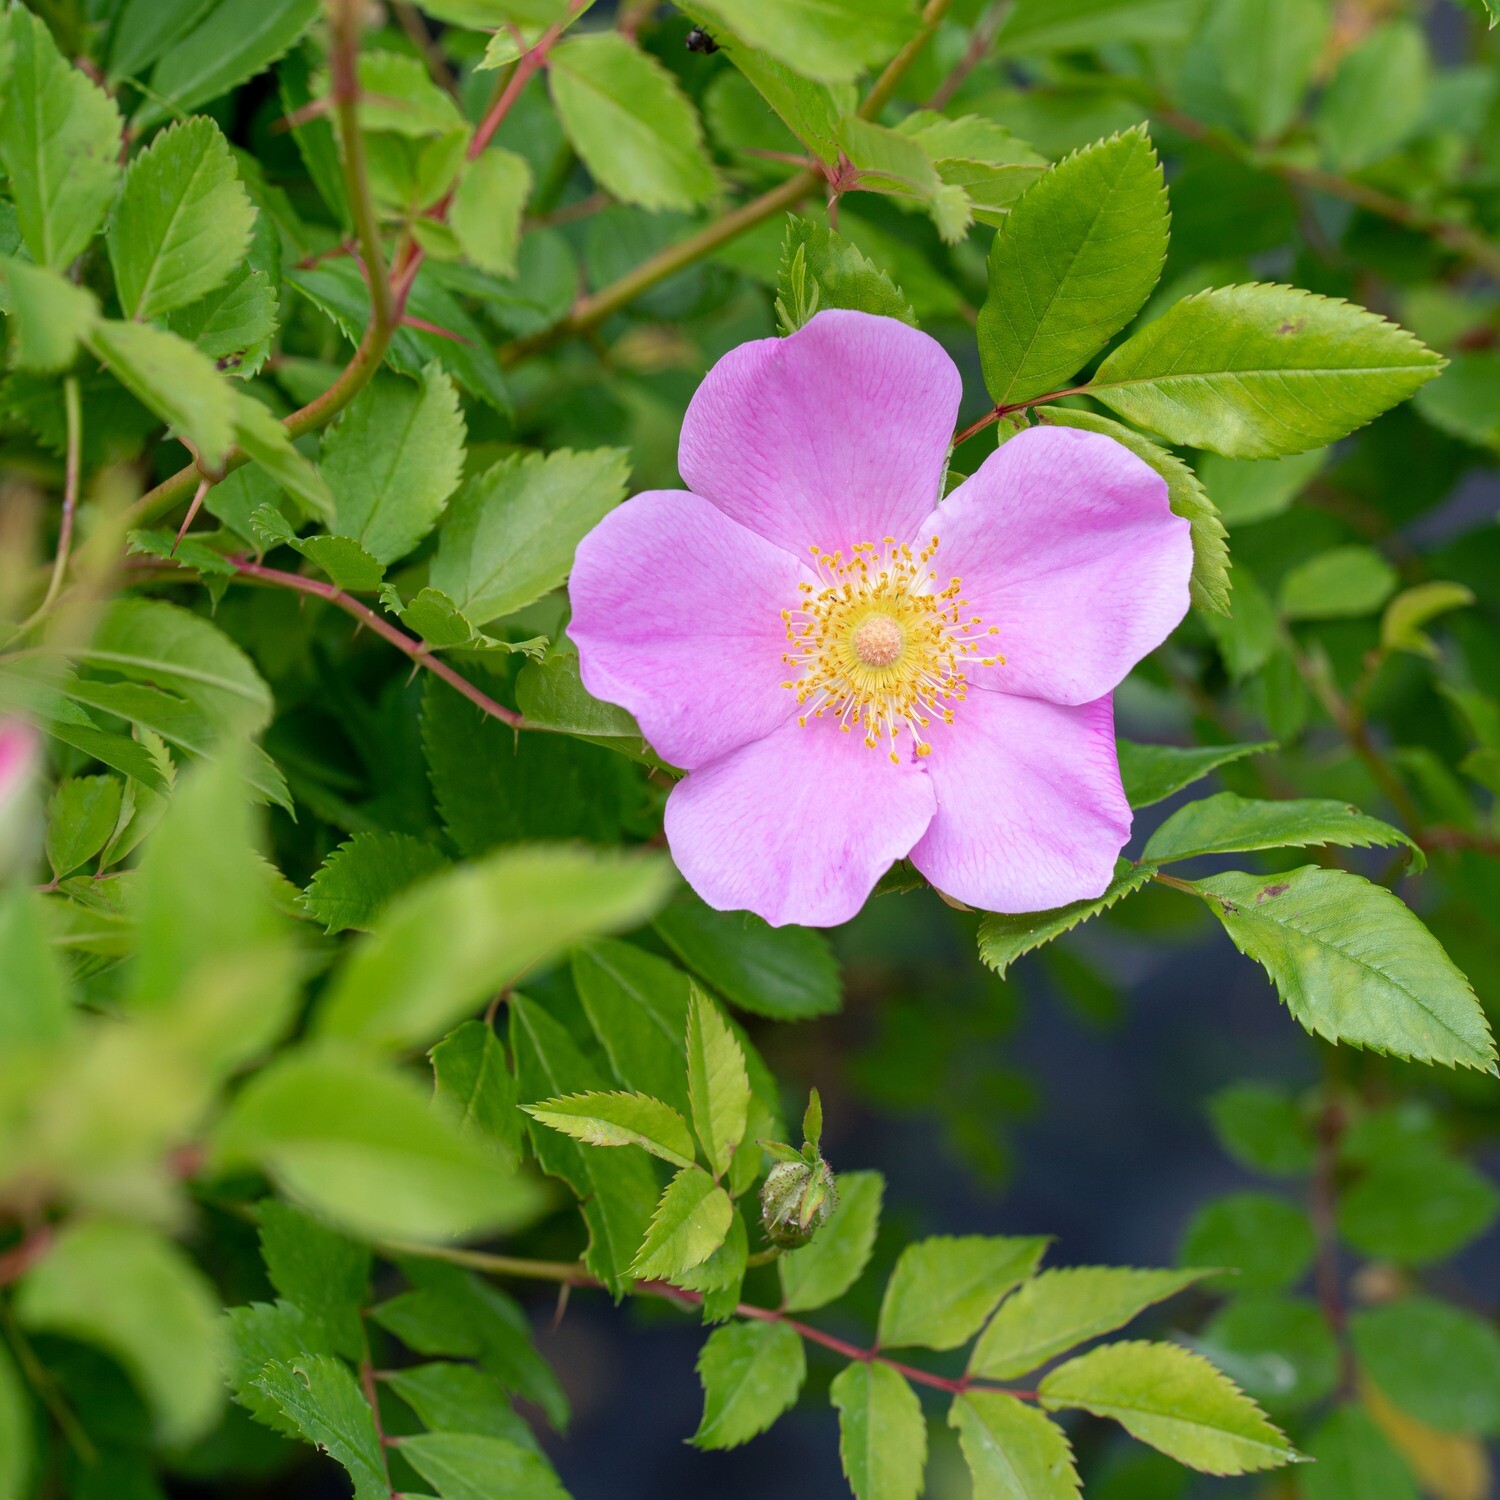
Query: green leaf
[340, 557]
[634, 128]
[1058, 1309]
[810, 110]
[821, 1272]
[486, 13]
[324, 1274]
[1438, 1363]
[637, 1004]
[689, 1224]
[48, 316]
[1422, 1208]
[1004, 938]
[269, 444]
[616, 1194]
[130, 1292]
[1354, 964]
[1257, 371]
[992, 166]
[81, 816]
[1249, 638]
[1152, 773]
[321, 1397]
[787, 973]
[188, 553]
[1463, 402]
[1066, 25]
[393, 461]
[1262, 1128]
[145, 29]
[233, 325]
[551, 695]
[1267, 51]
[229, 46]
[1175, 1401]
[487, 207]
[439, 951]
[43, 708]
[1279, 1349]
[1406, 614]
[257, 1334]
[474, 1081]
[60, 143]
[721, 1278]
[882, 1432]
[718, 1085]
[183, 222]
[361, 878]
[1072, 264]
[1350, 1456]
[174, 649]
[452, 1311]
[1230, 824]
[462, 349]
[812, 1121]
[397, 94]
[944, 1288]
[833, 41]
[1263, 1238]
[496, 787]
[1342, 583]
[620, 1119]
[459, 1398]
[210, 951]
[17, 1426]
[1209, 584]
[1376, 98]
[434, 617]
[472, 1466]
[886, 161]
[821, 269]
[358, 1141]
[751, 1374]
[175, 380]
[514, 528]
[1013, 1451]
[1250, 490]
[35, 1002]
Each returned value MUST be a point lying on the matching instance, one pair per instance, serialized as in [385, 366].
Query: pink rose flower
[851, 672]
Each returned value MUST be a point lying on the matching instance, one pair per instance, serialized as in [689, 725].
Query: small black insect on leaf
[698, 40]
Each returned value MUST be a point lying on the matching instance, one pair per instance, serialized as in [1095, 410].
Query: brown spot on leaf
[1292, 325]
[1268, 891]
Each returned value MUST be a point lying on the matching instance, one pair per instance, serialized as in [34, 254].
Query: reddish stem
[412, 647]
[995, 413]
[954, 1385]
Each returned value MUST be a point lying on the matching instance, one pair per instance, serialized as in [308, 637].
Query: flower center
[877, 641]
[880, 645]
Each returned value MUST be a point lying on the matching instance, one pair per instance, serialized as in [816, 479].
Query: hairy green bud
[796, 1200]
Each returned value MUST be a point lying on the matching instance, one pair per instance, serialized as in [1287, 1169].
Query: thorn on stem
[187, 520]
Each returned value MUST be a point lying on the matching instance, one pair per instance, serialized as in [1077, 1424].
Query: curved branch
[575, 1273]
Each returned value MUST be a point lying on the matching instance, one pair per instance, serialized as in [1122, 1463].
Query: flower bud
[797, 1198]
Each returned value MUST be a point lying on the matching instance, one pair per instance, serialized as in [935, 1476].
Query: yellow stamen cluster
[880, 646]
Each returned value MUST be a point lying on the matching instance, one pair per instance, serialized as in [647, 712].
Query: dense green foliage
[344, 982]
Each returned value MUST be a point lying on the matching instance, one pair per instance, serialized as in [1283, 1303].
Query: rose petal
[1030, 813]
[1065, 541]
[797, 827]
[677, 617]
[835, 435]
